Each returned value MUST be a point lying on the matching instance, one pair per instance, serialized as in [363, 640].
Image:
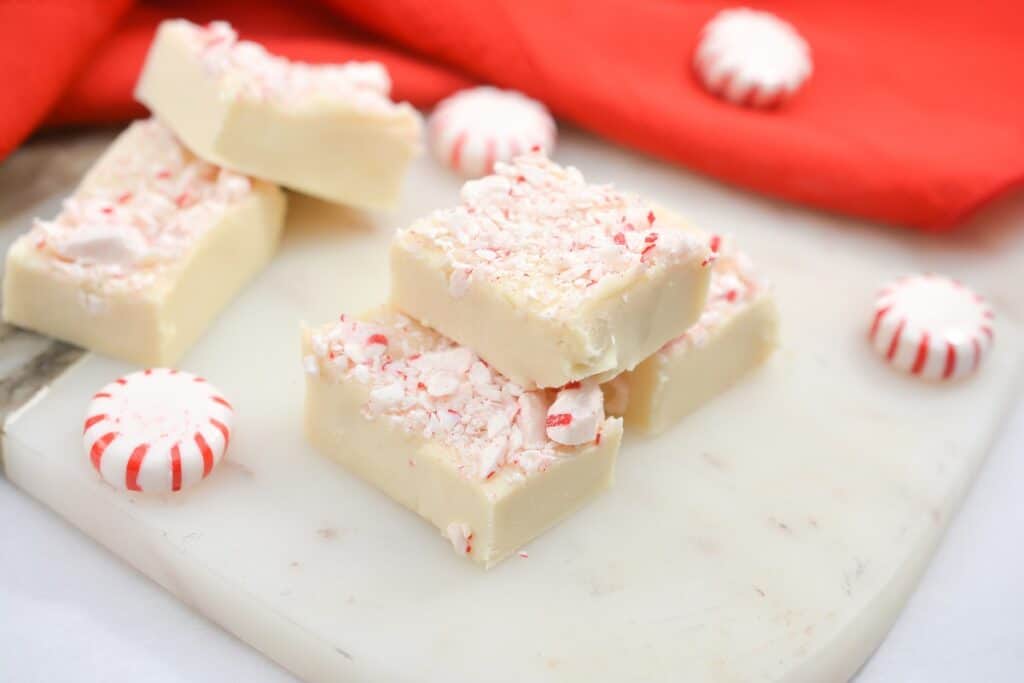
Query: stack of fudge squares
[477, 396]
[186, 207]
[524, 325]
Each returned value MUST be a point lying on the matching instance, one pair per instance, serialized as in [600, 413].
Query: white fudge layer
[327, 130]
[438, 430]
[550, 279]
[145, 253]
[736, 332]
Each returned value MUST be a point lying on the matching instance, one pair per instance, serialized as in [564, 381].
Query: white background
[70, 611]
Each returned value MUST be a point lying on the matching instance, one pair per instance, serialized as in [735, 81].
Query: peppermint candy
[472, 129]
[932, 326]
[752, 58]
[157, 431]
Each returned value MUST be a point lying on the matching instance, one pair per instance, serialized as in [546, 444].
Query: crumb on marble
[706, 544]
[715, 461]
[240, 467]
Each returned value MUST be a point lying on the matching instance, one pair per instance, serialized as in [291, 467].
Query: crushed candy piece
[461, 537]
[576, 415]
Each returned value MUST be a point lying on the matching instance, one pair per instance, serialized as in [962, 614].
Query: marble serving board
[773, 536]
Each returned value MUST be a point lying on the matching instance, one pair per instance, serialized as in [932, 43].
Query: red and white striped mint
[576, 415]
[931, 326]
[472, 129]
[157, 430]
[752, 58]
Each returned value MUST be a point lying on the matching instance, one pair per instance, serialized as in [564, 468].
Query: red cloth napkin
[913, 115]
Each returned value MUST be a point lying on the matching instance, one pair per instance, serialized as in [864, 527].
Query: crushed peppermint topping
[427, 384]
[142, 207]
[247, 70]
[543, 235]
[734, 284]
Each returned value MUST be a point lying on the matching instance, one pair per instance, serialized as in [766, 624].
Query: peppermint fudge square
[550, 279]
[737, 331]
[145, 253]
[426, 421]
[331, 131]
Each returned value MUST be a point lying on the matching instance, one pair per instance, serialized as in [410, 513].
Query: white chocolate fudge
[736, 332]
[438, 430]
[550, 279]
[330, 131]
[145, 253]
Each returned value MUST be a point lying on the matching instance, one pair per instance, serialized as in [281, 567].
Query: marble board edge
[26, 383]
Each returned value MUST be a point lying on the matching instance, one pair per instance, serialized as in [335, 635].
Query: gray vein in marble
[25, 381]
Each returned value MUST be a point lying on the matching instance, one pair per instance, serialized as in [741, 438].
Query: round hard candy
[931, 326]
[157, 430]
[472, 129]
[752, 58]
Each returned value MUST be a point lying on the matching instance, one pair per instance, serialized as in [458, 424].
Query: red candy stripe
[558, 420]
[134, 464]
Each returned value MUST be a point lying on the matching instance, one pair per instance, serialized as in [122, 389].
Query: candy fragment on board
[157, 431]
[472, 129]
[752, 58]
[932, 326]
[461, 537]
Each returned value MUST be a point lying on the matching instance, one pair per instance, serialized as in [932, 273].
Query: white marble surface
[69, 610]
[66, 596]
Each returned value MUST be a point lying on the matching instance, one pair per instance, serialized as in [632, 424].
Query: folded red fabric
[911, 117]
[42, 46]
